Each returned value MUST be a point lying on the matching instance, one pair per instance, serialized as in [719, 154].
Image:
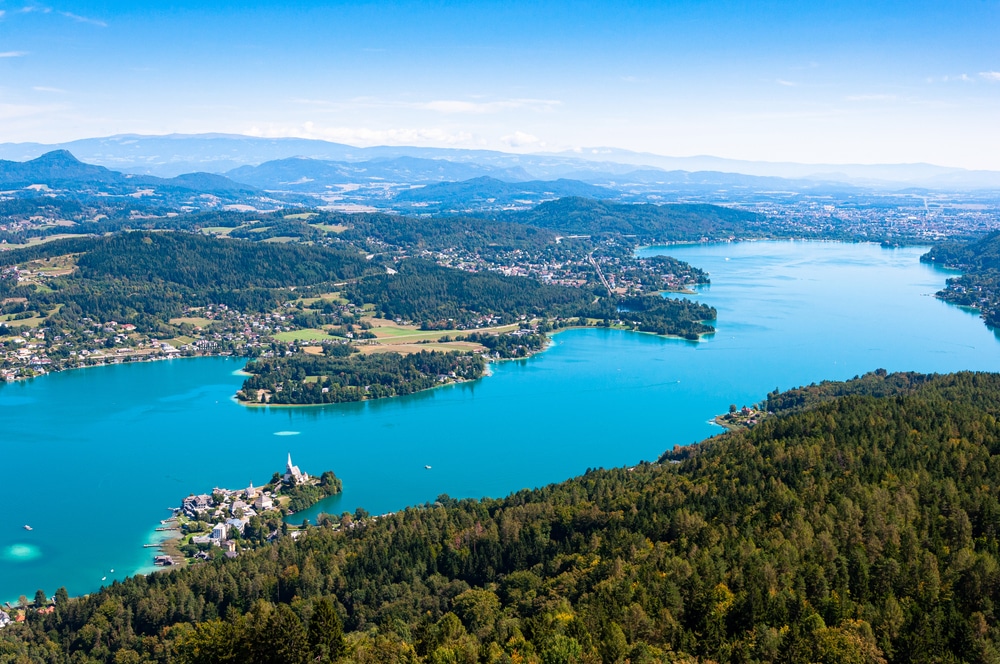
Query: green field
[309, 334]
[389, 334]
[302, 215]
[331, 228]
[192, 320]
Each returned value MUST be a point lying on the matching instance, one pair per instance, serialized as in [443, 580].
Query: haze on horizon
[810, 82]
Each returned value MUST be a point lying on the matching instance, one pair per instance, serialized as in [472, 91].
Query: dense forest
[440, 297]
[340, 376]
[146, 278]
[862, 529]
[673, 222]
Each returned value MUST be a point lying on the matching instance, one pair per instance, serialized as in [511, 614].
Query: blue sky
[856, 82]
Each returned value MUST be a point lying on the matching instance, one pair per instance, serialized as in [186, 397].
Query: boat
[27, 527]
[427, 467]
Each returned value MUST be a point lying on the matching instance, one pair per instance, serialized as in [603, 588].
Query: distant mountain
[52, 168]
[486, 193]
[315, 175]
[176, 154]
[60, 174]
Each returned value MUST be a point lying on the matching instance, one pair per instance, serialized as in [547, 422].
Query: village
[228, 521]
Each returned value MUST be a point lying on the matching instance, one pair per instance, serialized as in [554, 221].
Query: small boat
[27, 527]
[112, 571]
[427, 467]
[104, 578]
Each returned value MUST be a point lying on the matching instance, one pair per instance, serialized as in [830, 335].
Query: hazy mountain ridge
[177, 153]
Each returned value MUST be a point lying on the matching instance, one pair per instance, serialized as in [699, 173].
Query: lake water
[92, 459]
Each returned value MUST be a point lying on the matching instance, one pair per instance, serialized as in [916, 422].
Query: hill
[673, 222]
[316, 175]
[863, 529]
[487, 193]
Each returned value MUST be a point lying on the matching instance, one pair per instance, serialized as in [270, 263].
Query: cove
[93, 458]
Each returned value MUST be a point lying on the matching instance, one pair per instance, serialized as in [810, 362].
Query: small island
[228, 521]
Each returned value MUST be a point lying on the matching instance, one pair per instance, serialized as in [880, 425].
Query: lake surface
[93, 458]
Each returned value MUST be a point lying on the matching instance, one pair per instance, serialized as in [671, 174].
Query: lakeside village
[228, 521]
[222, 523]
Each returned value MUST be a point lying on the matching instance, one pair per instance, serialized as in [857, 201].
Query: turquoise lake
[93, 458]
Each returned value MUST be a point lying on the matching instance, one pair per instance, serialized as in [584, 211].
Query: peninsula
[229, 521]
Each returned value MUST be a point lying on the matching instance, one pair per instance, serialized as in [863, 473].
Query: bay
[92, 459]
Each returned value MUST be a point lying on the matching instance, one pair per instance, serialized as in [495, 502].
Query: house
[4, 619]
[219, 532]
[237, 524]
[263, 503]
[201, 539]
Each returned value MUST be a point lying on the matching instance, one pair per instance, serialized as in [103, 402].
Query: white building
[292, 473]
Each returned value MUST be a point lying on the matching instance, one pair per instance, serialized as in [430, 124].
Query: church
[292, 473]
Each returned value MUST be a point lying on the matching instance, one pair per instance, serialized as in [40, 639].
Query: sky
[839, 81]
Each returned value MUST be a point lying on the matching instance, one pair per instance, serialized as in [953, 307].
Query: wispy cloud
[959, 78]
[452, 106]
[991, 76]
[363, 136]
[45, 88]
[84, 19]
[13, 54]
[445, 106]
[787, 84]
[40, 9]
[520, 139]
[872, 97]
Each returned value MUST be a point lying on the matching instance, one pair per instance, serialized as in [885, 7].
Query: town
[228, 521]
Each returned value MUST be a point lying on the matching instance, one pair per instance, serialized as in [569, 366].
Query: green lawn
[309, 334]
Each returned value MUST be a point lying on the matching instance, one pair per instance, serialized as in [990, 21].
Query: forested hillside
[146, 278]
[674, 222]
[863, 529]
[979, 284]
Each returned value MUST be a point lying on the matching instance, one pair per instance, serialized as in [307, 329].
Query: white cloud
[12, 111]
[12, 54]
[874, 97]
[84, 19]
[991, 76]
[520, 139]
[457, 106]
[45, 88]
[787, 84]
[363, 136]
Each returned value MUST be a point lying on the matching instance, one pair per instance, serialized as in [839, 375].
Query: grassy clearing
[181, 340]
[192, 320]
[331, 228]
[406, 334]
[281, 239]
[218, 231]
[34, 321]
[302, 215]
[309, 334]
[40, 240]
[410, 348]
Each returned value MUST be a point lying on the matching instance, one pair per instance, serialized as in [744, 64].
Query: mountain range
[175, 154]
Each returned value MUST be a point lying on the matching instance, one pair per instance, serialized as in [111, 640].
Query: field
[410, 348]
[309, 334]
[331, 228]
[387, 332]
[38, 240]
[192, 320]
